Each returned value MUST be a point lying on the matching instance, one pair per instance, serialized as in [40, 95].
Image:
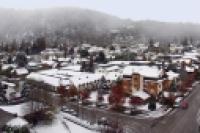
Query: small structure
[20, 72]
[9, 89]
[17, 125]
[52, 54]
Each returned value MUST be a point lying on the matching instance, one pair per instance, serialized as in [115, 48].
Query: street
[179, 120]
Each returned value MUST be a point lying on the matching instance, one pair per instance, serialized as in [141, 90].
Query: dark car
[184, 105]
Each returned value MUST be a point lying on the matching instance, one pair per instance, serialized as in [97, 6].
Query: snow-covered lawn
[61, 125]
[56, 127]
[85, 124]
[74, 128]
[20, 109]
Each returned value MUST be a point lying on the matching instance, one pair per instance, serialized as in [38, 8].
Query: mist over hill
[83, 25]
[168, 31]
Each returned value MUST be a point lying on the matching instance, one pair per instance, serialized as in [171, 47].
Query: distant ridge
[18, 24]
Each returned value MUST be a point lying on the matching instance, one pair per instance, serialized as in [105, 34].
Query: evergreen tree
[184, 42]
[21, 59]
[152, 103]
[101, 58]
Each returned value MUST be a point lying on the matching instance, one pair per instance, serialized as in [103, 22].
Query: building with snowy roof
[62, 81]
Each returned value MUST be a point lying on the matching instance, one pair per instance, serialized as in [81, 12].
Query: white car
[177, 102]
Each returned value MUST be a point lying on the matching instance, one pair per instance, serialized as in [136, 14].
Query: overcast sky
[162, 10]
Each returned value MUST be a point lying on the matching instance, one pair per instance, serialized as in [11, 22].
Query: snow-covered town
[103, 66]
[72, 92]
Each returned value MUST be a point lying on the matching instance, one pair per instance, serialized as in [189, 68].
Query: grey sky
[162, 10]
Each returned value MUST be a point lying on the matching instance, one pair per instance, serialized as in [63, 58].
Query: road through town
[179, 120]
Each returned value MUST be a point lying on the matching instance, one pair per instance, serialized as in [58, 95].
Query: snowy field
[61, 126]
[20, 109]
[56, 127]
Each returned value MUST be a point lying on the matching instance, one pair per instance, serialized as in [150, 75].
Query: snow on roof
[157, 44]
[190, 57]
[17, 122]
[51, 51]
[103, 65]
[193, 53]
[59, 73]
[48, 72]
[146, 71]
[48, 62]
[50, 80]
[55, 77]
[141, 94]
[95, 49]
[141, 62]
[119, 62]
[8, 84]
[172, 75]
[7, 66]
[21, 71]
[112, 76]
[85, 78]
[86, 45]
[112, 68]
[72, 67]
[190, 69]
[64, 59]
[186, 60]
[33, 64]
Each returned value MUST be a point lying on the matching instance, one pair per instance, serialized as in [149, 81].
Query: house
[19, 72]
[176, 49]
[86, 46]
[94, 50]
[10, 90]
[4, 57]
[144, 77]
[172, 77]
[33, 66]
[51, 54]
[17, 124]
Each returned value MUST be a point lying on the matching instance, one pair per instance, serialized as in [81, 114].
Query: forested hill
[84, 25]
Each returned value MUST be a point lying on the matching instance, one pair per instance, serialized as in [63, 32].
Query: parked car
[180, 103]
[177, 102]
